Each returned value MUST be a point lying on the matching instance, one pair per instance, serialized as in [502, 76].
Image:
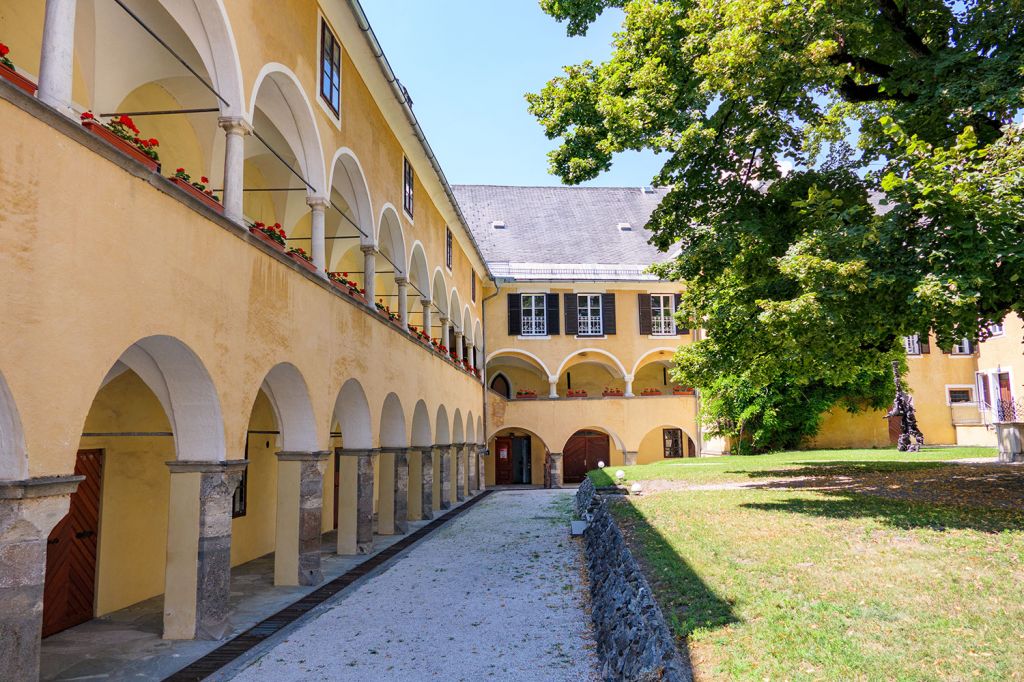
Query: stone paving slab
[497, 594]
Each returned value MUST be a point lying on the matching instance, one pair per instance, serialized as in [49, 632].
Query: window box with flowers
[650, 391]
[302, 258]
[8, 72]
[341, 281]
[419, 334]
[577, 393]
[612, 393]
[273, 235]
[682, 390]
[122, 134]
[197, 189]
[526, 394]
[385, 311]
[439, 347]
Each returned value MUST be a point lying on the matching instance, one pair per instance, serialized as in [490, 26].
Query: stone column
[29, 509]
[555, 469]
[403, 302]
[198, 575]
[236, 129]
[386, 492]
[446, 476]
[628, 458]
[629, 386]
[355, 501]
[318, 247]
[426, 508]
[444, 331]
[414, 510]
[459, 474]
[426, 316]
[458, 346]
[472, 460]
[57, 60]
[482, 453]
[300, 503]
[370, 274]
[552, 387]
[401, 491]
[438, 454]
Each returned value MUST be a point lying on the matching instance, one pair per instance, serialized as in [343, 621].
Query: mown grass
[804, 584]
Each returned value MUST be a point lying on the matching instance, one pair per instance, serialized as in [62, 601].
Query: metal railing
[590, 325]
[1009, 410]
[534, 325]
[663, 325]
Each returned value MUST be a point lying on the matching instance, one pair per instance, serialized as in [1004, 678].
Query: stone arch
[13, 454]
[421, 435]
[348, 181]
[391, 238]
[655, 431]
[653, 355]
[454, 306]
[589, 427]
[392, 423]
[458, 430]
[439, 293]
[470, 428]
[352, 413]
[442, 427]
[286, 389]
[606, 359]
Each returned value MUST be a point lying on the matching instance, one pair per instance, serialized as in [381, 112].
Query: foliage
[124, 127]
[4, 59]
[780, 125]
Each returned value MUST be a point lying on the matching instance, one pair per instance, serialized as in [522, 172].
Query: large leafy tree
[842, 173]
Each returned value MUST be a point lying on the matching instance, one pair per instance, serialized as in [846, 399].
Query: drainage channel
[257, 634]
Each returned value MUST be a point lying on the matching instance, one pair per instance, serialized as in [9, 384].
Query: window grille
[534, 315]
[662, 308]
[588, 310]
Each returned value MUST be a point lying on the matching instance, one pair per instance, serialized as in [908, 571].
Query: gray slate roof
[562, 232]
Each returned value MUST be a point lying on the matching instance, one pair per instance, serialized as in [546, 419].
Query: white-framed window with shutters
[912, 344]
[963, 348]
[588, 312]
[996, 329]
[662, 310]
[534, 315]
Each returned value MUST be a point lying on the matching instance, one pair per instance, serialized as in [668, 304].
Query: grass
[831, 584]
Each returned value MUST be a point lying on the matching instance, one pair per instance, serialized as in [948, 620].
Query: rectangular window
[407, 186]
[912, 344]
[330, 69]
[448, 247]
[963, 348]
[472, 286]
[240, 500]
[588, 312]
[673, 442]
[534, 315]
[960, 395]
[662, 309]
[996, 329]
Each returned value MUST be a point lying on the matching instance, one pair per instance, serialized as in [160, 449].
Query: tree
[901, 213]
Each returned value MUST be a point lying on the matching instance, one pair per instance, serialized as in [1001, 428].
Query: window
[448, 247]
[472, 286]
[960, 395]
[588, 310]
[662, 309]
[963, 348]
[534, 315]
[996, 329]
[240, 499]
[407, 187]
[912, 344]
[673, 442]
[330, 69]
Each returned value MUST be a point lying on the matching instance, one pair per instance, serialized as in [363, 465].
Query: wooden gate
[70, 588]
[582, 453]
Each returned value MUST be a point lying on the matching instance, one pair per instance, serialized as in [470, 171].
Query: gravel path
[496, 594]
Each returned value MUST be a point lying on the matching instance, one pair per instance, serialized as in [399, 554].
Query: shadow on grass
[601, 477]
[841, 468]
[685, 599]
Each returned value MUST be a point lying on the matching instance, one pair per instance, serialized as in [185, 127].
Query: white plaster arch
[13, 454]
[390, 238]
[286, 389]
[614, 360]
[659, 427]
[470, 428]
[454, 306]
[442, 427]
[601, 429]
[478, 335]
[352, 412]
[421, 436]
[467, 323]
[640, 362]
[286, 103]
[419, 274]
[392, 423]
[480, 430]
[348, 180]
[458, 431]
[439, 293]
[524, 353]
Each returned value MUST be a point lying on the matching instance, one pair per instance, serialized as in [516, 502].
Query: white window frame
[335, 117]
[912, 344]
[996, 329]
[533, 328]
[664, 323]
[589, 325]
[959, 349]
[972, 390]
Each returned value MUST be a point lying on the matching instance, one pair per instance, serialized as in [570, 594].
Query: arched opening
[351, 431]
[419, 292]
[525, 374]
[391, 264]
[501, 385]
[585, 450]
[517, 458]
[443, 439]
[422, 441]
[667, 441]
[439, 295]
[349, 220]
[390, 468]
[455, 314]
[652, 375]
[591, 373]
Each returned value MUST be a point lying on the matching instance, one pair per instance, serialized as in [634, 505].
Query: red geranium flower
[4, 50]
[203, 180]
[87, 116]
[153, 142]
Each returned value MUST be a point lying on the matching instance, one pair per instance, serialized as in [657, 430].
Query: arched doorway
[582, 452]
[500, 385]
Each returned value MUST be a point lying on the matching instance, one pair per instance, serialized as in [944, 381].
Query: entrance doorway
[500, 384]
[513, 457]
[582, 453]
[69, 592]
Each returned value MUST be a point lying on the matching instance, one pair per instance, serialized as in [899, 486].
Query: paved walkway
[496, 594]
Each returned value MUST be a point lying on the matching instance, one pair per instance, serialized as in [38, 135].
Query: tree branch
[857, 93]
[897, 18]
[862, 64]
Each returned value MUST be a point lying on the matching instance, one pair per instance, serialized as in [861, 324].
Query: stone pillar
[552, 387]
[426, 508]
[446, 476]
[458, 346]
[472, 460]
[401, 491]
[482, 453]
[57, 60]
[628, 458]
[555, 469]
[426, 316]
[386, 492]
[355, 501]
[370, 274]
[403, 302]
[234, 165]
[318, 247]
[1010, 439]
[459, 474]
[444, 331]
[437, 487]
[198, 575]
[29, 509]
[629, 386]
[300, 503]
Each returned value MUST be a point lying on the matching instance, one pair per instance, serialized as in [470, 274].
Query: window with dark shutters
[552, 305]
[608, 313]
[571, 320]
[643, 305]
[677, 299]
[515, 315]
[923, 342]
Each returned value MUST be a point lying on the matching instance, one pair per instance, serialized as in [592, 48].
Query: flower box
[298, 258]
[682, 390]
[650, 392]
[526, 395]
[18, 80]
[266, 239]
[100, 131]
[577, 393]
[202, 196]
[612, 393]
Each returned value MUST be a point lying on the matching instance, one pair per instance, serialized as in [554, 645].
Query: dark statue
[911, 439]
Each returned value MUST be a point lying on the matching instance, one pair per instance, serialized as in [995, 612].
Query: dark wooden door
[500, 385]
[502, 461]
[895, 429]
[70, 589]
[582, 453]
[522, 469]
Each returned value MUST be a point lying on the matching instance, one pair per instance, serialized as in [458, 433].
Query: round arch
[470, 428]
[455, 305]
[458, 431]
[419, 274]
[288, 394]
[391, 239]
[442, 427]
[421, 436]
[439, 293]
[512, 352]
[480, 429]
[352, 412]
[392, 423]
[653, 355]
[348, 180]
[467, 324]
[614, 437]
[614, 361]
[13, 454]
[652, 445]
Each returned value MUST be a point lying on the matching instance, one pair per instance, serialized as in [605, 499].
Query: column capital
[459, 445]
[235, 125]
[398, 450]
[44, 486]
[357, 452]
[426, 302]
[444, 318]
[203, 467]
[302, 455]
[315, 202]
[440, 446]
[368, 250]
[401, 280]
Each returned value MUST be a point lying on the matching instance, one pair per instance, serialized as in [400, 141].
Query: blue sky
[467, 65]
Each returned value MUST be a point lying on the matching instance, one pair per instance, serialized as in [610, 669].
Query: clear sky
[467, 65]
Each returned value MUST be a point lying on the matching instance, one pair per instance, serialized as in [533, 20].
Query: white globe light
[600, 465]
[636, 488]
[620, 474]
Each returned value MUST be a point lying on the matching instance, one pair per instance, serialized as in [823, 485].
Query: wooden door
[582, 453]
[70, 588]
[522, 469]
[1007, 411]
[895, 429]
[502, 461]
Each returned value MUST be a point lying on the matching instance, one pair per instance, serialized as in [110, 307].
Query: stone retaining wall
[633, 639]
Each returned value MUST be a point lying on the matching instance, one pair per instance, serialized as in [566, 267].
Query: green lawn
[834, 583]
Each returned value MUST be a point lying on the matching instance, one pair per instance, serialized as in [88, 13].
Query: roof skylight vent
[498, 224]
[625, 227]
[647, 189]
